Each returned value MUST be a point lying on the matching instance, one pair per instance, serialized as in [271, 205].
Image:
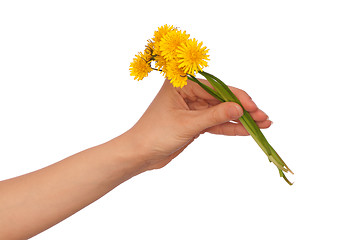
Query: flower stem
[205, 87]
[224, 94]
[246, 116]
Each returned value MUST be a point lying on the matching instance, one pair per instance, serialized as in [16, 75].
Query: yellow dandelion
[160, 62]
[170, 43]
[192, 56]
[159, 34]
[149, 48]
[140, 67]
[176, 75]
[162, 31]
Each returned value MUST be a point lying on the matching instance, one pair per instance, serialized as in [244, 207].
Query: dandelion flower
[176, 75]
[192, 56]
[160, 62]
[162, 31]
[170, 43]
[149, 48]
[140, 67]
[159, 34]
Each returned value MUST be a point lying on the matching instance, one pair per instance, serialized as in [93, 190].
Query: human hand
[172, 121]
[177, 116]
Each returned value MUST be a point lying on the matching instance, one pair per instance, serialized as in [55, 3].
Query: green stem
[205, 87]
[224, 94]
[221, 86]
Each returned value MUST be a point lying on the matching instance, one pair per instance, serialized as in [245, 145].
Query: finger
[228, 129]
[198, 104]
[245, 99]
[259, 115]
[261, 124]
[264, 124]
[206, 118]
[235, 129]
[193, 91]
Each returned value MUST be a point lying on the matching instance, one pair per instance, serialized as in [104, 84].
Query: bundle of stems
[224, 94]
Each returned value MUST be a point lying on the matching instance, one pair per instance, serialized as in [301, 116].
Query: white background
[65, 86]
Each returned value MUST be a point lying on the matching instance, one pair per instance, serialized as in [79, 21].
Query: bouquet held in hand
[179, 58]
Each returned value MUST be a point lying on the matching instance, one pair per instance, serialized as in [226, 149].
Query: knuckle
[214, 116]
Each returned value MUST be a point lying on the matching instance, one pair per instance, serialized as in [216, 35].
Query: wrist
[129, 156]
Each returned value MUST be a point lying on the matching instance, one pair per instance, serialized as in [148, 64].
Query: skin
[31, 203]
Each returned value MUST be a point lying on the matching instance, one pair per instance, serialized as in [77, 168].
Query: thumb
[216, 115]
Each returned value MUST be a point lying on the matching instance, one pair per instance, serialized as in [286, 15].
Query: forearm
[36, 201]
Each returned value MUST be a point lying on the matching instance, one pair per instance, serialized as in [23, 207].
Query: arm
[36, 201]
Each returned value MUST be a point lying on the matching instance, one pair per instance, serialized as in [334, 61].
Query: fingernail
[235, 111]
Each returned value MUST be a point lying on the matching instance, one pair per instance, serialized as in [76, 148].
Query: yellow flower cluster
[173, 53]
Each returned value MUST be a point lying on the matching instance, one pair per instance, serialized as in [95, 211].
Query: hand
[177, 116]
[38, 200]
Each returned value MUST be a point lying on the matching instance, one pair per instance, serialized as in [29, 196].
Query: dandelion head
[140, 66]
[149, 48]
[192, 56]
[176, 75]
[170, 43]
[159, 34]
[162, 31]
[160, 62]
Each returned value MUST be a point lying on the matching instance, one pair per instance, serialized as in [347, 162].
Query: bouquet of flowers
[179, 58]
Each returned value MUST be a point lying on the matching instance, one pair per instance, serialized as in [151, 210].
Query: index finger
[245, 99]
[193, 90]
